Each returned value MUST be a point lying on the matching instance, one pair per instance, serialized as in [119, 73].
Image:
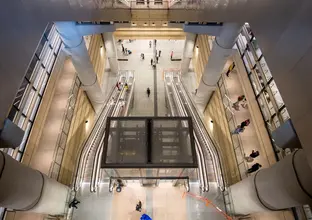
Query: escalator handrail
[79, 165]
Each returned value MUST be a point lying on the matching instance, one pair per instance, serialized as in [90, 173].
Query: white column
[25, 189]
[286, 184]
[75, 46]
[188, 52]
[221, 50]
[111, 51]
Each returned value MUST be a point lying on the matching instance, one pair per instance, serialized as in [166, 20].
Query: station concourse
[199, 110]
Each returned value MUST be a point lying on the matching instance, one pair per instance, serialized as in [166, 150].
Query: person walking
[74, 203]
[159, 52]
[148, 91]
[231, 67]
[150, 44]
[152, 62]
[171, 55]
[138, 206]
[123, 49]
[156, 59]
[254, 168]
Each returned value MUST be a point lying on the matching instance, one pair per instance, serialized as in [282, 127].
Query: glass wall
[268, 96]
[270, 100]
[29, 95]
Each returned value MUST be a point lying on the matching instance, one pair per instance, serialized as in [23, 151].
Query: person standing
[148, 91]
[155, 41]
[252, 156]
[152, 62]
[138, 206]
[159, 52]
[150, 44]
[123, 49]
[254, 168]
[156, 59]
[171, 55]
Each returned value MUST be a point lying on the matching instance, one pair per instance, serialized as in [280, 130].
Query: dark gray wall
[282, 28]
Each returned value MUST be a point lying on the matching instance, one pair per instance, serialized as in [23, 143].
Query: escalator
[181, 104]
[118, 103]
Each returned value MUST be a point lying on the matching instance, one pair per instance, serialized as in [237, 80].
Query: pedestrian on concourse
[236, 104]
[74, 203]
[159, 52]
[240, 128]
[151, 62]
[138, 206]
[126, 51]
[231, 67]
[150, 44]
[123, 49]
[171, 55]
[155, 42]
[148, 91]
[156, 59]
[254, 168]
[245, 123]
[252, 156]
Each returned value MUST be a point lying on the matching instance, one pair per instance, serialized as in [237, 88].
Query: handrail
[98, 149]
[201, 166]
[115, 112]
[80, 165]
[198, 147]
[200, 125]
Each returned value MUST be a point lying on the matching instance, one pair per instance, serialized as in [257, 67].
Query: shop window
[31, 68]
[255, 45]
[285, 114]
[265, 69]
[39, 76]
[26, 134]
[264, 108]
[246, 63]
[41, 46]
[251, 57]
[255, 84]
[28, 100]
[242, 42]
[269, 102]
[13, 113]
[276, 121]
[258, 74]
[276, 94]
[21, 122]
[35, 108]
[20, 93]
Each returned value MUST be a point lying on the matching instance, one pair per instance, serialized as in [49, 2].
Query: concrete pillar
[221, 50]
[25, 189]
[111, 51]
[286, 184]
[72, 36]
[187, 52]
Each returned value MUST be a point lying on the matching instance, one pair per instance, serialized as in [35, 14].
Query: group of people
[119, 86]
[125, 51]
[251, 158]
